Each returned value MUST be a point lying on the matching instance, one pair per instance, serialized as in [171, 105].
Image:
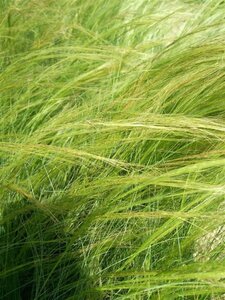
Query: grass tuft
[112, 149]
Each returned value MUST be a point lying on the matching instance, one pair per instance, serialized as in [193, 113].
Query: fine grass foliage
[112, 149]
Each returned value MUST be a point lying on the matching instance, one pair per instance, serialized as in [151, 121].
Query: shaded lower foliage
[38, 260]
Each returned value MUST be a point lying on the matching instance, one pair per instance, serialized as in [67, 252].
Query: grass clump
[112, 147]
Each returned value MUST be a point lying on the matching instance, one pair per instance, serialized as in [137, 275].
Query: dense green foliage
[112, 149]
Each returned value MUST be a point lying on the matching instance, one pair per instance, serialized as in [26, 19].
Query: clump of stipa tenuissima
[112, 147]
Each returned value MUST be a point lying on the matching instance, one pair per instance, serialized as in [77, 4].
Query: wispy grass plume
[112, 149]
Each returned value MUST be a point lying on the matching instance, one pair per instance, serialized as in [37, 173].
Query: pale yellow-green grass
[112, 149]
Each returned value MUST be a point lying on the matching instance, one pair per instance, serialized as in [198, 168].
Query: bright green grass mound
[112, 149]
